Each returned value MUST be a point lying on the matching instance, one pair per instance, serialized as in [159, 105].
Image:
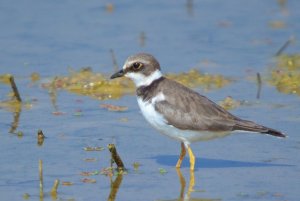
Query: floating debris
[77, 113]
[5, 78]
[58, 113]
[109, 7]
[194, 78]
[124, 119]
[277, 24]
[20, 134]
[26, 196]
[288, 62]
[136, 166]
[90, 160]
[229, 103]
[35, 77]
[67, 183]
[107, 171]
[40, 137]
[162, 171]
[96, 85]
[88, 180]
[114, 108]
[93, 148]
[87, 174]
[285, 76]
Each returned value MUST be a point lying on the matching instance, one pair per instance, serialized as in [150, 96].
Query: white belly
[160, 123]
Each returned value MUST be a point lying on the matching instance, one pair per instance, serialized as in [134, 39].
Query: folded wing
[190, 110]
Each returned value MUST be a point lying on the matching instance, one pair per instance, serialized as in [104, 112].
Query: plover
[179, 112]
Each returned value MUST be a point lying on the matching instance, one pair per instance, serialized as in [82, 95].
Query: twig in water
[115, 157]
[285, 45]
[14, 88]
[142, 38]
[259, 84]
[54, 188]
[114, 60]
[40, 137]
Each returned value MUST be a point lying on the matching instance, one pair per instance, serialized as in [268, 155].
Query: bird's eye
[136, 66]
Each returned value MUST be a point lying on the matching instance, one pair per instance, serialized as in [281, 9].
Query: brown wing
[186, 109]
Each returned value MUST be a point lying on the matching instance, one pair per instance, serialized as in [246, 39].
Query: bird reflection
[186, 195]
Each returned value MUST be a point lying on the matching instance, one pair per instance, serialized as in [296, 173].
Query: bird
[178, 111]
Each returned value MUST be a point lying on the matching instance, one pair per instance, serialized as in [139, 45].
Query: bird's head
[141, 68]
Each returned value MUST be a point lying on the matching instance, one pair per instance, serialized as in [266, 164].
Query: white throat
[142, 80]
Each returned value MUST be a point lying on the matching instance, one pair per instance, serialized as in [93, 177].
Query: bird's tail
[245, 125]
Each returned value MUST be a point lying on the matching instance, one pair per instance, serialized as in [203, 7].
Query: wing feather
[186, 109]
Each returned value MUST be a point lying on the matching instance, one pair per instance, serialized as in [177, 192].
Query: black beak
[117, 74]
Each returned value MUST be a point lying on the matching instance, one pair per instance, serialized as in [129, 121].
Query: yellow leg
[192, 159]
[182, 155]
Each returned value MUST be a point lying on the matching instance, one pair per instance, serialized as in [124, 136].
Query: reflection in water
[41, 180]
[13, 105]
[114, 187]
[283, 5]
[259, 84]
[16, 113]
[186, 196]
[190, 7]
[142, 38]
[53, 94]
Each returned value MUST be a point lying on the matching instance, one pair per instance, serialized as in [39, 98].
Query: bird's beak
[117, 74]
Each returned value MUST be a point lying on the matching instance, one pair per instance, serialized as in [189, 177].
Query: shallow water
[232, 38]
